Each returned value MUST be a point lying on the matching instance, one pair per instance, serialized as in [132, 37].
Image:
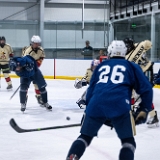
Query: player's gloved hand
[84, 82]
[11, 56]
[77, 84]
[140, 115]
[12, 65]
[156, 79]
[81, 103]
[39, 61]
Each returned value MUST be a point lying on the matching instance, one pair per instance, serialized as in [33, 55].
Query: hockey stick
[14, 92]
[20, 130]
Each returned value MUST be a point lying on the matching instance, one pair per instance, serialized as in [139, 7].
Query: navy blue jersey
[111, 85]
[28, 64]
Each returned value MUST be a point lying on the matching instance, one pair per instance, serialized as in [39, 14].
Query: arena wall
[68, 69]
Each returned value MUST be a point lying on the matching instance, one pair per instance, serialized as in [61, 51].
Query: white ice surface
[54, 144]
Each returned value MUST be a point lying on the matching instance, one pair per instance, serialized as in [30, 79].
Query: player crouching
[26, 68]
[84, 82]
[108, 98]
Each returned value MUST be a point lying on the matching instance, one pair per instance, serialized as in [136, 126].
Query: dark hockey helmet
[129, 42]
[3, 38]
[3, 41]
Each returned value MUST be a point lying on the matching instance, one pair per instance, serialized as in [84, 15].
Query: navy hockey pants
[25, 83]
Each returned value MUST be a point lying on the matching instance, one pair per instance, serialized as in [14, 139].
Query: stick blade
[15, 126]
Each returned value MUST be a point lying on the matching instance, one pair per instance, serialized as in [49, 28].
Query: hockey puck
[68, 118]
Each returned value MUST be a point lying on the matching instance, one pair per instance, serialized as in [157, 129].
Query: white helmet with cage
[117, 49]
[36, 39]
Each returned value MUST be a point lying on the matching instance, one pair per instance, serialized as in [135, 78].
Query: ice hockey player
[26, 68]
[136, 52]
[37, 52]
[6, 53]
[108, 97]
[84, 82]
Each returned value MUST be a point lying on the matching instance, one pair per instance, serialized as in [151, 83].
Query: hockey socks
[128, 149]
[78, 147]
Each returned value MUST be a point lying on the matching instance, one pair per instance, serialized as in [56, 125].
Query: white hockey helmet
[117, 48]
[36, 39]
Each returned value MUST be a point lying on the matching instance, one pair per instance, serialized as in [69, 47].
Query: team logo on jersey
[139, 53]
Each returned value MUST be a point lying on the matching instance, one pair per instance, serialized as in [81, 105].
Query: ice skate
[153, 121]
[39, 99]
[23, 107]
[72, 157]
[48, 107]
[9, 87]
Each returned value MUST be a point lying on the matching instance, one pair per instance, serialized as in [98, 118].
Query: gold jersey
[5, 54]
[35, 54]
[137, 55]
[88, 75]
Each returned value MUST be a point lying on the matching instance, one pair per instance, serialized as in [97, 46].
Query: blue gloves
[12, 65]
[156, 79]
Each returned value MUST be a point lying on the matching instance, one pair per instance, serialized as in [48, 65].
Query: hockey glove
[84, 82]
[11, 56]
[39, 61]
[78, 84]
[81, 103]
[156, 79]
[12, 65]
[140, 115]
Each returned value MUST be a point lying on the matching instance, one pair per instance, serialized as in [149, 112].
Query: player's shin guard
[78, 147]
[23, 96]
[7, 78]
[128, 149]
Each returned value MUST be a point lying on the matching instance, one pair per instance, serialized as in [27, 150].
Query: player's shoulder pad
[7, 45]
[25, 47]
[40, 48]
[88, 70]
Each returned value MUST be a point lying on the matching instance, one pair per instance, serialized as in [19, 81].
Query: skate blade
[49, 109]
[41, 105]
[22, 112]
[153, 125]
[45, 107]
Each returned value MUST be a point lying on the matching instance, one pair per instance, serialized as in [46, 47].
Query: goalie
[84, 82]
[136, 52]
